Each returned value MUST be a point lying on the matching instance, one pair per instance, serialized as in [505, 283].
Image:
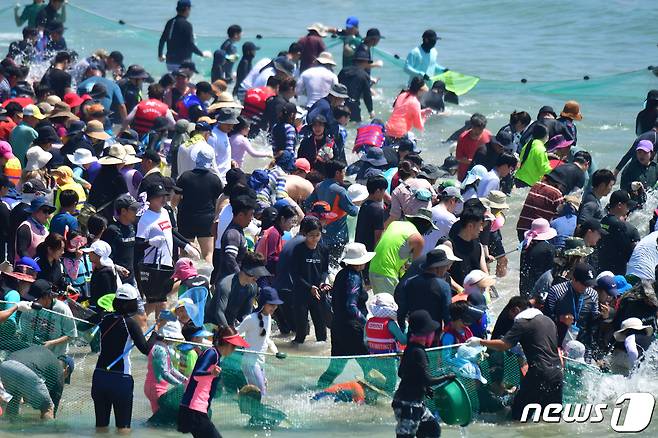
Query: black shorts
[197, 423]
[111, 390]
[192, 228]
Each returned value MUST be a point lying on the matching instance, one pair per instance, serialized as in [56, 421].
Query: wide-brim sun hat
[172, 330]
[81, 157]
[632, 324]
[497, 199]
[37, 158]
[571, 109]
[357, 193]
[425, 214]
[95, 130]
[449, 253]
[356, 254]
[319, 28]
[540, 230]
[382, 305]
[326, 58]
[421, 323]
[131, 155]
[479, 278]
[115, 155]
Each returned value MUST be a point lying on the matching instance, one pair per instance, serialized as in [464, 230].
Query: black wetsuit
[179, 37]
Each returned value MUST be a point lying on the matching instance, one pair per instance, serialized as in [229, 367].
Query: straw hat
[572, 110]
[36, 158]
[53, 99]
[131, 155]
[356, 254]
[115, 155]
[326, 58]
[632, 324]
[224, 100]
[81, 157]
[319, 28]
[45, 108]
[95, 130]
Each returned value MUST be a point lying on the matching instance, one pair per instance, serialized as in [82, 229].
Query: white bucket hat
[356, 254]
[357, 193]
[326, 58]
[103, 250]
[383, 305]
[81, 157]
[36, 158]
[172, 330]
[115, 155]
[319, 28]
[632, 324]
[478, 279]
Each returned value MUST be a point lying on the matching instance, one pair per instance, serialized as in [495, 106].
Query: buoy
[524, 80]
[586, 77]
[650, 67]
[122, 22]
[259, 36]
[396, 56]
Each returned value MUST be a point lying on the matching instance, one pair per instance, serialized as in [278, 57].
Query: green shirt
[352, 42]
[536, 165]
[387, 261]
[21, 139]
[29, 14]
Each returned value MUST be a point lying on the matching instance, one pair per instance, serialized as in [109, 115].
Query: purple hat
[558, 142]
[644, 145]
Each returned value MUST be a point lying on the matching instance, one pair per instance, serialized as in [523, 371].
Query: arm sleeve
[23, 240]
[410, 64]
[397, 332]
[192, 44]
[209, 357]
[143, 345]
[631, 348]
[347, 205]
[351, 305]
[179, 240]
[220, 309]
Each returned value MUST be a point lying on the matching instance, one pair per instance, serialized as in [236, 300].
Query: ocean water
[553, 46]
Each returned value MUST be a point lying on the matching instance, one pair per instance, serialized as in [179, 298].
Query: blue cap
[30, 262]
[622, 284]
[183, 4]
[40, 202]
[70, 364]
[609, 285]
[351, 22]
[281, 203]
[269, 295]
[202, 333]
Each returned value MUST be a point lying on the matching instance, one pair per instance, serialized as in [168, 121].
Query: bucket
[453, 404]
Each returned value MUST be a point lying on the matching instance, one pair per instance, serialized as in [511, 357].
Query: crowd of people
[106, 192]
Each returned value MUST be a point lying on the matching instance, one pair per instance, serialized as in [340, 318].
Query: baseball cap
[621, 197]
[39, 203]
[33, 111]
[40, 288]
[126, 292]
[126, 201]
[452, 192]
[592, 224]
[303, 164]
[373, 33]
[584, 273]
[644, 145]
[156, 190]
[351, 22]
[33, 186]
[609, 285]
[249, 47]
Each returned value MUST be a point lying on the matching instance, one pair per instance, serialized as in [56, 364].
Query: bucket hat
[632, 324]
[356, 254]
[571, 109]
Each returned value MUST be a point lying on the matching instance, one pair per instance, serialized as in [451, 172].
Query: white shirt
[443, 220]
[220, 143]
[248, 81]
[187, 155]
[150, 225]
[261, 79]
[644, 259]
[315, 83]
[223, 221]
[490, 181]
[250, 329]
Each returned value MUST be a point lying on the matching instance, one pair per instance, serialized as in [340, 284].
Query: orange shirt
[405, 116]
[358, 393]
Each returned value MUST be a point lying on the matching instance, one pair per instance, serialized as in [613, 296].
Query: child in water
[257, 329]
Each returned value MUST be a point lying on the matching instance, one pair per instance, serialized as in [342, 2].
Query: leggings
[112, 390]
[255, 375]
[303, 306]
[197, 423]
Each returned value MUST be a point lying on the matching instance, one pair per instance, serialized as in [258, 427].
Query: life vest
[255, 101]
[460, 338]
[146, 113]
[183, 106]
[37, 235]
[379, 338]
[368, 135]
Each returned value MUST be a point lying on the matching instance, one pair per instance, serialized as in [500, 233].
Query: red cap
[73, 100]
[303, 164]
[236, 340]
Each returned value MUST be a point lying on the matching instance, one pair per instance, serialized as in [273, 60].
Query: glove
[473, 342]
[281, 355]
[24, 306]
[158, 241]
[190, 250]
[207, 54]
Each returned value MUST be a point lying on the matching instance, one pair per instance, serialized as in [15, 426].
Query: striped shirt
[563, 300]
[542, 201]
[278, 183]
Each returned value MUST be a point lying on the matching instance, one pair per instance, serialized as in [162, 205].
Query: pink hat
[5, 150]
[644, 145]
[184, 269]
[539, 230]
[303, 164]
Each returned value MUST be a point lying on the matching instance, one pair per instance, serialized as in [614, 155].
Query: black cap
[47, 134]
[188, 65]
[34, 186]
[430, 35]
[429, 171]
[117, 57]
[249, 47]
[373, 33]
[138, 72]
[204, 87]
[547, 109]
[169, 185]
[126, 202]
[505, 139]
[421, 323]
[621, 197]
[592, 224]
[40, 288]
[584, 273]
[319, 119]
[98, 91]
[156, 190]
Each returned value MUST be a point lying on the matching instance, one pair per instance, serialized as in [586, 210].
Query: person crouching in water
[257, 329]
[202, 385]
[631, 342]
[112, 384]
[413, 418]
[161, 369]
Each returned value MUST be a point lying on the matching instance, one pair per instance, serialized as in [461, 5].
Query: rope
[51, 311]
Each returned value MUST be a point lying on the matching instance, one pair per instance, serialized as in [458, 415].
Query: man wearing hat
[546, 117]
[188, 150]
[227, 118]
[574, 305]
[312, 45]
[24, 134]
[372, 38]
[108, 92]
[178, 35]
[356, 78]
[131, 85]
[422, 61]
[401, 241]
[416, 380]
[45, 328]
[151, 170]
[143, 115]
[351, 39]
[32, 231]
[429, 290]
[570, 113]
[641, 168]
[120, 235]
[315, 82]
[443, 216]
[325, 106]
[619, 237]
